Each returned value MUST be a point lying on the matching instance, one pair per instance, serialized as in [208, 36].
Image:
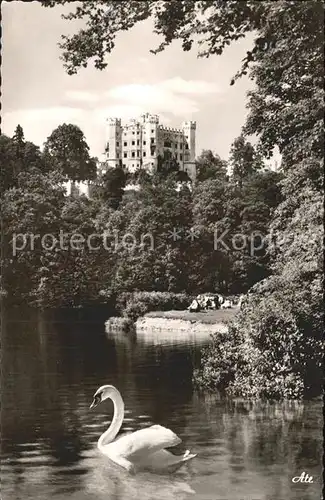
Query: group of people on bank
[205, 302]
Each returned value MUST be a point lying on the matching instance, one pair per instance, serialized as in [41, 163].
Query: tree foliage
[244, 160]
[276, 345]
[159, 236]
[275, 348]
[17, 156]
[29, 211]
[68, 150]
[210, 166]
[111, 184]
[212, 24]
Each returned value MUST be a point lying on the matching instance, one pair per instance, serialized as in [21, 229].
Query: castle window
[167, 144]
[117, 143]
[152, 140]
[125, 143]
[181, 157]
[144, 143]
[144, 153]
[133, 154]
[138, 132]
[186, 146]
[133, 143]
[125, 155]
[152, 131]
[133, 132]
[138, 142]
[124, 165]
[117, 155]
[138, 153]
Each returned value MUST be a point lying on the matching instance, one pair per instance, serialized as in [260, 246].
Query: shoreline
[184, 321]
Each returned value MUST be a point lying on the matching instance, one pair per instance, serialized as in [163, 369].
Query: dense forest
[274, 347]
[134, 232]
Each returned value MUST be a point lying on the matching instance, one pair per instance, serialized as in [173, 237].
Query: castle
[139, 143]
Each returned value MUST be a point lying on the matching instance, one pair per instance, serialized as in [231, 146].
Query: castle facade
[138, 143]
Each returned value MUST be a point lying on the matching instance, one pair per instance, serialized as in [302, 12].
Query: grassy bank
[207, 317]
[153, 310]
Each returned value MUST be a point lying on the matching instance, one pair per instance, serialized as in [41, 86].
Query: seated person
[194, 307]
[216, 302]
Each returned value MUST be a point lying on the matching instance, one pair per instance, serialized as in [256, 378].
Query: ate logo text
[303, 478]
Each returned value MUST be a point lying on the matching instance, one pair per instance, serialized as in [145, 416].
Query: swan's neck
[116, 423]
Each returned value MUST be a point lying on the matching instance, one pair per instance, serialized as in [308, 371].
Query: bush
[121, 324]
[134, 305]
[273, 348]
[218, 362]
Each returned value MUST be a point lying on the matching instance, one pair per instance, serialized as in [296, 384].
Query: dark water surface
[50, 371]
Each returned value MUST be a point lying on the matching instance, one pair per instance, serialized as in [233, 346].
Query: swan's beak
[93, 404]
[96, 401]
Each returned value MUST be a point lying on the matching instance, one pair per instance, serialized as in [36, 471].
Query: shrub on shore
[117, 323]
[273, 349]
[134, 305]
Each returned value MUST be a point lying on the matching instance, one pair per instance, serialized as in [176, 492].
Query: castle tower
[114, 142]
[150, 141]
[189, 130]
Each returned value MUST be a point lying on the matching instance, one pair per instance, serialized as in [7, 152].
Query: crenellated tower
[189, 131]
[114, 141]
[150, 143]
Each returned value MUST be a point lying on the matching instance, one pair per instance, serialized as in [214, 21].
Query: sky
[177, 85]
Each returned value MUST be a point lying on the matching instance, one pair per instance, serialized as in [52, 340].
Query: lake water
[50, 371]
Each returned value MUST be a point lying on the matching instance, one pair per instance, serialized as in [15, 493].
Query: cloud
[182, 86]
[154, 98]
[176, 96]
[81, 95]
[173, 97]
[124, 111]
[169, 96]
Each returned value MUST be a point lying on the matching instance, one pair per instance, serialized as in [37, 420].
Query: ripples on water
[245, 451]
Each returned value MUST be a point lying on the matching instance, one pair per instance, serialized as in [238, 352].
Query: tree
[112, 183]
[221, 210]
[276, 344]
[29, 212]
[214, 24]
[209, 270]
[145, 255]
[8, 164]
[277, 341]
[210, 166]
[244, 160]
[17, 157]
[75, 272]
[19, 140]
[166, 165]
[68, 151]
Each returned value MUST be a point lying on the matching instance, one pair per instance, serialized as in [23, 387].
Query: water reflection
[246, 450]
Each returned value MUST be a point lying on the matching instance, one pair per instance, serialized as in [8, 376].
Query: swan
[142, 449]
